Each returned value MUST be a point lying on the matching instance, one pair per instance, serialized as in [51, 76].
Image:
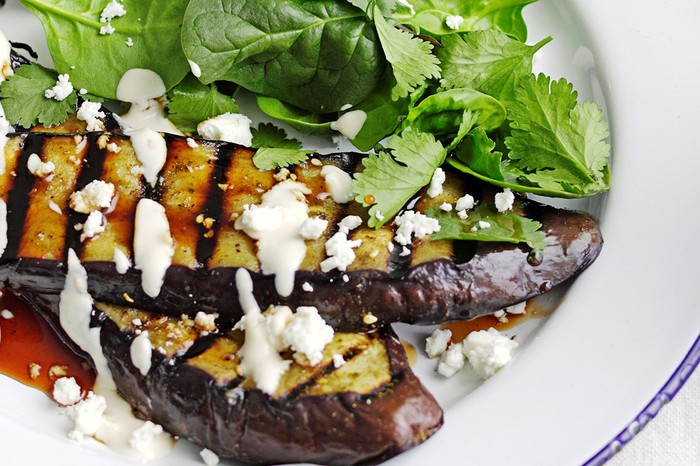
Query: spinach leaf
[429, 16]
[303, 121]
[73, 34]
[192, 102]
[316, 55]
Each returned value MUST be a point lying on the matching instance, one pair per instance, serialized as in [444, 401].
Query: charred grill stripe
[214, 202]
[14, 189]
[92, 159]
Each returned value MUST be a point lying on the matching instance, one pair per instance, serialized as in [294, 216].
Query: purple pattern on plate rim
[666, 394]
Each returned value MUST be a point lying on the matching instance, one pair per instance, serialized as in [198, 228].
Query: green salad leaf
[430, 16]
[192, 102]
[97, 62]
[24, 101]
[316, 55]
[392, 177]
[487, 61]
[269, 135]
[275, 150]
[306, 122]
[485, 224]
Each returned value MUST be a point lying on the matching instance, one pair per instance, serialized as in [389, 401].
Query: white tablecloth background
[673, 437]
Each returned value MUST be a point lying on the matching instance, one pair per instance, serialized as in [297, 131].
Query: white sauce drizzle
[194, 67]
[141, 352]
[141, 88]
[349, 124]
[75, 310]
[121, 261]
[276, 224]
[259, 359]
[3, 226]
[5, 129]
[153, 246]
[338, 183]
[5, 60]
[151, 150]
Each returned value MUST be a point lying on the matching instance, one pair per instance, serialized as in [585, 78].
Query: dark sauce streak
[213, 205]
[18, 199]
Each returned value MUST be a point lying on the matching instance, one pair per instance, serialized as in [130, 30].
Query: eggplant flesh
[437, 282]
[366, 411]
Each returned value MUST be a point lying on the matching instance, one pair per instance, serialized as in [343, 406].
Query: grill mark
[214, 203]
[91, 169]
[18, 196]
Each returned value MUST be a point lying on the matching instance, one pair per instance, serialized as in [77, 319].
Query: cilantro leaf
[270, 158]
[192, 102]
[488, 61]
[25, 103]
[555, 143]
[411, 58]
[502, 227]
[275, 150]
[392, 177]
[478, 152]
[268, 135]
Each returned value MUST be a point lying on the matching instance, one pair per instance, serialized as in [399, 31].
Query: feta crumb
[501, 316]
[61, 90]
[38, 168]
[349, 223]
[484, 225]
[192, 143]
[339, 250]
[488, 351]
[313, 228]
[451, 360]
[504, 200]
[93, 226]
[209, 457]
[446, 206]
[90, 113]
[129, 42]
[87, 416]
[379, 216]
[230, 127]
[34, 370]
[435, 188]
[405, 252]
[206, 321]
[6, 314]
[142, 438]
[306, 286]
[462, 214]
[113, 10]
[338, 361]
[437, 342]
[308, 334]
[66, 391]
[454, 21]
[137, 322]
[519, 308]
[414, 224]
[95, 196]
[465, 202]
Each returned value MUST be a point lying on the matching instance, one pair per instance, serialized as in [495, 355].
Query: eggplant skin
[341, 428]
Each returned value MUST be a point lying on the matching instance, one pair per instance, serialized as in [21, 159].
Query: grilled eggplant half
[368, 410]
[439, 281]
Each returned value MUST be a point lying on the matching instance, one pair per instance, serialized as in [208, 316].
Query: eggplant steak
[204, 188]
[365, 411]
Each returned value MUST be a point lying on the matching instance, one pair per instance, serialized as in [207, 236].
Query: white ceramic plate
[626, 325]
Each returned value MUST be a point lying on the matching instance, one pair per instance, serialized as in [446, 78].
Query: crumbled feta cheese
[5, 58]
[192, 143]
[95, 196]
[6, 314]
[484, 225]
[446, 206]
[488, 351]
[90, 113]
[338, 361]
[435, 188]
[519, 308]
[345, 278]
[206, 321]
[339, 250]
[454, 21]
[34, 370]
[405, 252]
[451, 360]
[113, 10]
[462, 214]
[306, 286]
[379, 216]
[465, 202]
[66, 391]
[142, 438]
[313, 228]
[504, 200]
[414, 224]
[87, 416]
[437, 342]
[349, 223]
[93, 226]
[61, 90]
[501, 316]
[209, 457]
[38, 168]
[230, 127]
[129, 42]
[308, 334]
